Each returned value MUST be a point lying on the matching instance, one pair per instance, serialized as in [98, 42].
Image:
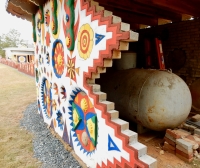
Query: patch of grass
[17, 91]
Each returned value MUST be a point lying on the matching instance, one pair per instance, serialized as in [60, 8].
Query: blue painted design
[53, 53]
[78, 90]
[73, 97]
[59, 119]
[87, 117]
[75, 92]
[67, 18]
[81, 125]
[98, 38]
[70, 108]
[46, 93]
[71, 101]
[112, 145]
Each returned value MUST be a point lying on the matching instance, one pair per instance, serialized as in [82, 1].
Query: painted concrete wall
[74, 43]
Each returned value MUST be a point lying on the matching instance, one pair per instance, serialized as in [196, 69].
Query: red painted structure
[27, 68]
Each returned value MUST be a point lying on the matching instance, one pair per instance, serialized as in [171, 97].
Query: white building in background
[20, 55]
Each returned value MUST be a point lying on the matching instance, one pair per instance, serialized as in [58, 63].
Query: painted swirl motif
[34, 29]
[41, 14]
[54, 22]
[69, 19]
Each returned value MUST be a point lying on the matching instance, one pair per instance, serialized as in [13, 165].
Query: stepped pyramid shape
[75, 41]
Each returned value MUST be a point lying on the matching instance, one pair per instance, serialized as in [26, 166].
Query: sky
[12, 22]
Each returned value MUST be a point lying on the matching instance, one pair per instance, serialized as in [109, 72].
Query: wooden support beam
[25, 5]
[38, 2]
[131, 18]
[144, 9]
[17, 11]
[183, 6]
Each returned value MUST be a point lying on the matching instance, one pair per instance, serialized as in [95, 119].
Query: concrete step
[123, 124]
[133, 136]
[101, 69]
[134, 36]
[95, 87]
[90, 81]
[95, 75]
[142, 149]
[110, 105]
[125, 26]
[123, 45]
[107, 62]
[99, 8]
[149, 161]
[116, 54]
[107, 13]
[114, 114]
[102, 96]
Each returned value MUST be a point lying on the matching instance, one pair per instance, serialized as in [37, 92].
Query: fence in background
[27, 68]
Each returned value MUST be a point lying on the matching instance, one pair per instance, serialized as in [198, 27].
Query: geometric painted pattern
[98, 38]
[84, 121]
[112, 145]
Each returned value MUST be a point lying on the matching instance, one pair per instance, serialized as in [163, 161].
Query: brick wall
[184, 36]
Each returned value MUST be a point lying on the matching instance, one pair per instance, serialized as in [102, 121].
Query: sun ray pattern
[58, 58]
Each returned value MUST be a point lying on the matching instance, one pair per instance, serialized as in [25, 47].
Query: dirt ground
[154, 142]
[17, 91]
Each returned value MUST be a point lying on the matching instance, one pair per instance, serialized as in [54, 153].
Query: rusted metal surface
[195, 91]
[156, 99]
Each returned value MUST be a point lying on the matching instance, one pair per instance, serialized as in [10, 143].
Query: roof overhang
[138, 13]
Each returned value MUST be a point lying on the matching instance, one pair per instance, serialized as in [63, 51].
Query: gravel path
[49, 150]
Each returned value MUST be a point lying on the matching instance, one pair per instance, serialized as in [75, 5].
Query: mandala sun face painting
[46, 98]
[58, 58]
[84, 122]
[85, 41]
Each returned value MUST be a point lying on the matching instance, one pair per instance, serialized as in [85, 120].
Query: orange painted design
[82, 100]
[47, 39]
[71, 73]
[59, 58]
[54, 123]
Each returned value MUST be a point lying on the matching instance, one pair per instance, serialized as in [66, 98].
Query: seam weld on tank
[155, 99]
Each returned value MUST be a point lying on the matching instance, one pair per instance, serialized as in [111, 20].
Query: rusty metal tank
[195, 91]
[155, 99]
